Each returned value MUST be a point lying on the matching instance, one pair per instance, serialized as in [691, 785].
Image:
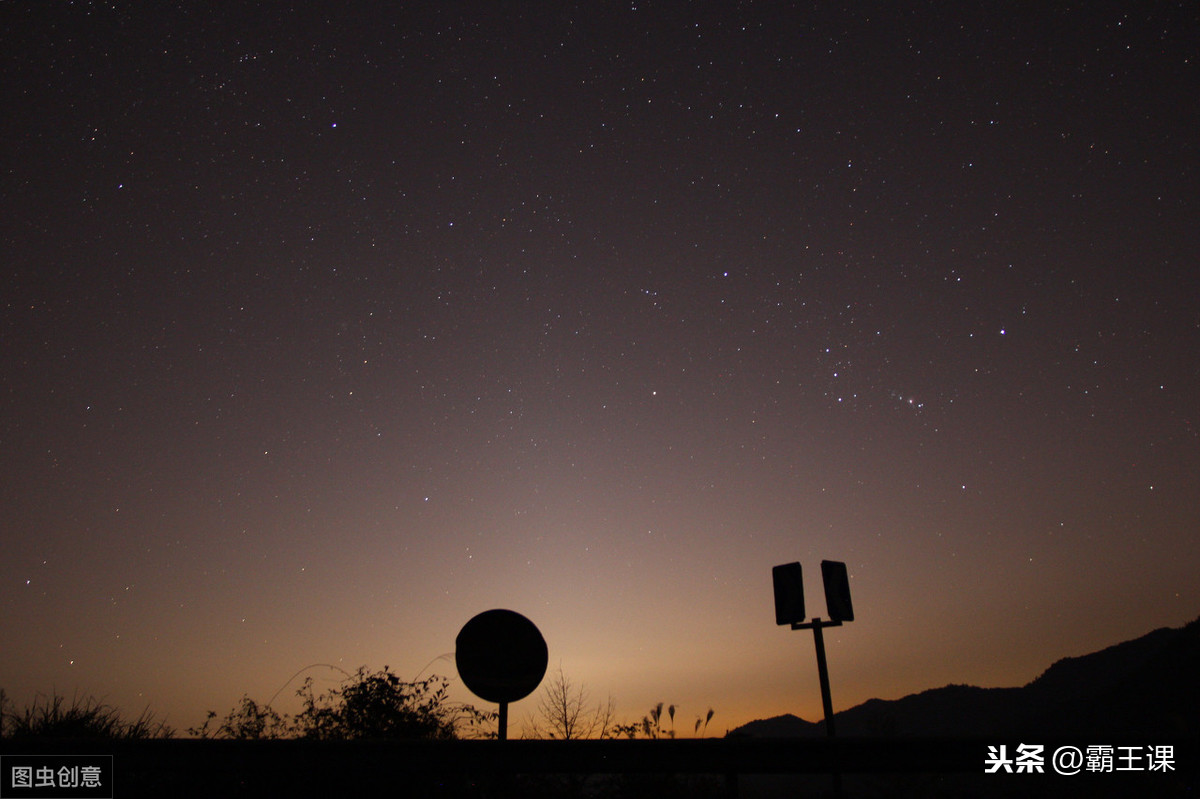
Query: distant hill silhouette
[1144, 687]
[785, 726]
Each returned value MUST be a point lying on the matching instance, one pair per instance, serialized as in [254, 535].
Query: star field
[327, 328]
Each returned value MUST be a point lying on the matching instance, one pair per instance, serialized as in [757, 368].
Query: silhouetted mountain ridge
[785, 726]
[1146, 686]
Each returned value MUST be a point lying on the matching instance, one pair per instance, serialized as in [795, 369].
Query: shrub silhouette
[379, 705]
[248, 722]
[368, 705]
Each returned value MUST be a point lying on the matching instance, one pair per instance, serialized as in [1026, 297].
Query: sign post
[502, 657]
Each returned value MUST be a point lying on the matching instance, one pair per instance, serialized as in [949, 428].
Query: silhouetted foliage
[368, 705]
[377, 705]
[81, 718]
[248, 722]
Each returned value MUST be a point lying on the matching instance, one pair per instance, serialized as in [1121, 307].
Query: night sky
[327, 326]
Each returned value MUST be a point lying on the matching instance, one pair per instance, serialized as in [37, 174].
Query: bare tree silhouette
[565, 712]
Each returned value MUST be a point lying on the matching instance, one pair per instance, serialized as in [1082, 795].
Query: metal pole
[826, 699]
[823, 673]
[502, 732]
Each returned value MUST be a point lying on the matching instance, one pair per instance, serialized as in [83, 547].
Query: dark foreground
[694, 768]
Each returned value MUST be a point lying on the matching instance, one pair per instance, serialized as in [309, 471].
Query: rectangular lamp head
[789, 593]
[837, 590]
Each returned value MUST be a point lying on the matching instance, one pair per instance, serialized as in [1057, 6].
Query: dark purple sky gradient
[327, 328]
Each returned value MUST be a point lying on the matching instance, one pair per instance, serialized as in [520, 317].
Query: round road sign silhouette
[501, 656]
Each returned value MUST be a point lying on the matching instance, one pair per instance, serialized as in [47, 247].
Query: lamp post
[789, 610]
